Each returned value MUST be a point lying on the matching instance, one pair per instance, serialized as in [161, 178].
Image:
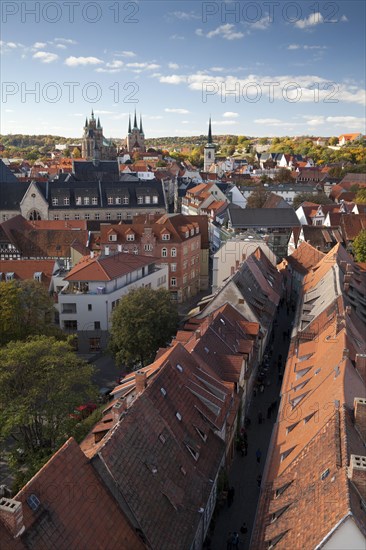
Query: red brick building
[174, 238]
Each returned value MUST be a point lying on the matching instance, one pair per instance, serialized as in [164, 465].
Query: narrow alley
[245, 470]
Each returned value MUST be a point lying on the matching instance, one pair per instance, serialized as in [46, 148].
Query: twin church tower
[95, 146]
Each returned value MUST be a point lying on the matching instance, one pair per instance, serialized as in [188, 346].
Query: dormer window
[94, 201]
[86, 201]
[279, 513]
[193, 452]
[197, 230]
[37, 276]
[140, 200]
[286, 453]
[192, 232]
[112, 237]
[187, 234]
[282, 489]
[125, 200]
[131, 237]
[155, 199]
[9, 276]
[110, 200]
[66, 201]
[54, 202]
[166, 236]
[202, 434]
[78, 201]
[147, 199]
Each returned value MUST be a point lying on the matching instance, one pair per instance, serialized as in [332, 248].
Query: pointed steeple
[98, 123]
[129, 124]
[209, 140]
[86, 122]
[92, 115]
[135, 121]
[141, 130]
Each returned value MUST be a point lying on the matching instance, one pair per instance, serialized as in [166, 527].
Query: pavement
[245, 469]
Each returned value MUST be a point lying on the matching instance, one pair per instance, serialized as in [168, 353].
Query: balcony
[68, 308]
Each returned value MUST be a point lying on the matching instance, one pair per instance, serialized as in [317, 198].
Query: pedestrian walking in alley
[260, 417]
[259, 480]
[244, 529]
[258, 454]
[235, 540]
[261, 388]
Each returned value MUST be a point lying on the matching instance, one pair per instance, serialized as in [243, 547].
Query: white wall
[102, 303]
[346, 537]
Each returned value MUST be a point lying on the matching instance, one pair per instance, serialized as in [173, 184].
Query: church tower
[209, 151]
[135, 136]
[93, 143]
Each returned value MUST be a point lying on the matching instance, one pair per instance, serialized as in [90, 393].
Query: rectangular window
[148, 247]
[118, 200]
[66, 217]
[166, 237]
[125, 200]
[56, 217]
[86, 201]
[77, 217]
[108, 216]
[54, 202]
[155, 199]
[173, 281]
[97, 216]
[140, 200]
[119, 216]
[129, 216]
[70, 325]
[173, 267]
[147, 199]
[90, 307]
[185, 278]
[94, 201]
[66, 201]
[110, 200]
[130, 237]
[96, 325]
[78, 201]
[87, 216]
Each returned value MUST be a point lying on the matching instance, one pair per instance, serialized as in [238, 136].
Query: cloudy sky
[258, 68]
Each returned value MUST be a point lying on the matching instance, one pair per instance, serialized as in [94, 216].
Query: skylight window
[179, 367]
[193, 452]
[163, 391]
[285, 454]
[282, 489]
[179, 416]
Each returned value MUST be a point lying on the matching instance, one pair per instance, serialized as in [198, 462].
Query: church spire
[135, 121]
[92, 115]
[209, 140]
[98, 124]
[129, 124]
[141, 130]
[86, 122]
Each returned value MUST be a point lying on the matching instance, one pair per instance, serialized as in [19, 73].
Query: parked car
[83, 411]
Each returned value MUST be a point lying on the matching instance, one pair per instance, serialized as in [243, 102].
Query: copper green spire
[209, 132]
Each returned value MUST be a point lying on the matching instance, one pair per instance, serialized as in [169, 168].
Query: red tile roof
[76, 510]
[107, 268]
[25, 269]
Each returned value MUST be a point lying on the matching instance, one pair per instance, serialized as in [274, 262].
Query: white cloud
[38, 45]
[61, 46]
[184, 15]
[267, 121]
[174, 66]
[115, 64]
[66, 40]
[152, 117]
[225, 31]
[185, 121]
[147, 66]
[344, 19]
[177, 111]
[77, 61]
[305, 47]
[11, 45]
[173, 79]
[293, 47]
[176, 37]
[45, 57]
[230, 114]
[217, 69]
[262, 24]
[313, 20]
[125, 53]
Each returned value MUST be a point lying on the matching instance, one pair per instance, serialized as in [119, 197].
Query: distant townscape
[182, 361]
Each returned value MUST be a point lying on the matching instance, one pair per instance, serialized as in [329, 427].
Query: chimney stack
[11, 513]
[357, 473]
[345, 354]
[140, 378]
[346, 287]
[117, 409]
[359, 407]
[361, 365]
[348, 310]
[198, 334]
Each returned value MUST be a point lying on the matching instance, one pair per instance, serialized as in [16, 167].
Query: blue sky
[258, 68]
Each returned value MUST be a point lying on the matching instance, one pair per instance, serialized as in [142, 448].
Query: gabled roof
[275, 201]
[26, 269]
[263, 217]
[107, 268]
[304, 258]
[352, 225]
[86, 517]
[165, 467]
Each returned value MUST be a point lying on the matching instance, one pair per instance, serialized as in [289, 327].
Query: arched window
[34, 215]
[164, 253]
[174, 252]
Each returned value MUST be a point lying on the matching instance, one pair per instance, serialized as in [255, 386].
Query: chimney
[92, 254]
[11, 513]
[117, 409]
[361, 365]
[357, 473]
[343, 265]
[241, 301]
[348, 268]
[346, 287]
[232, 270]
[236, 264]
[140, 378]
[348, 310]
[359, 407]
[198, 334]
[345, 354]
[339, 323]
[347, 278]
[106, 250]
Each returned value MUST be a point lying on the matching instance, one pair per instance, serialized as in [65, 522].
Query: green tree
[359, 247]
[67, 153]
[76, 153]
[333, 141]
[143, 321]
[26, 309]
[361, 196]
[257, 198]
[42, 380]
[283, 176]
[320, 198]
